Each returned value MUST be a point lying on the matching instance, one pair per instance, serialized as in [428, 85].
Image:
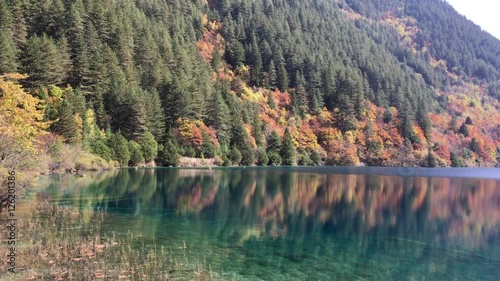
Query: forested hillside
[265, 82]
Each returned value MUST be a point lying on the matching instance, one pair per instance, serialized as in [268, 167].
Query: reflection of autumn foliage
[280, 203]
[456, 209]
[195, 201]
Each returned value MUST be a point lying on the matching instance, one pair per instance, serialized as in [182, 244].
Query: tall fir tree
[288, 149]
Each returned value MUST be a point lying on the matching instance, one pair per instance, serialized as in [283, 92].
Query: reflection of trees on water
[334, 224]
[248, 203]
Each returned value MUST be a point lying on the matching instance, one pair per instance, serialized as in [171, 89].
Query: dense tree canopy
[349, 81]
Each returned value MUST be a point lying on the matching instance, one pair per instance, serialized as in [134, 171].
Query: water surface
[306, 223]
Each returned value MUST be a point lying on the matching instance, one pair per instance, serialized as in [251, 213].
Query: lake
[305, 223]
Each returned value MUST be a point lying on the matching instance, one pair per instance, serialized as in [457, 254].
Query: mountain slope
[262, 81]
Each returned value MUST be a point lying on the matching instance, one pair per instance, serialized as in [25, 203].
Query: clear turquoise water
[306, 223]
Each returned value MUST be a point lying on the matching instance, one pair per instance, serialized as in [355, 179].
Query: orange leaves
[189, 134]
[212, 133]
[443, 152]
[211, 39]
[304, 138]
[342, 153]
[282, 98]
[328, 135]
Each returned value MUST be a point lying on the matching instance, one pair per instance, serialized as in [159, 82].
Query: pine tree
[387, 115]
[149, 146]
[79, 52]
[474, 146]
[119, 147]
[126, 109]
[274, 158]
[282, 77]
[262, 158]
[66, 124]
[464, 130]
[216, 60]
[235, 155]
[8, 53]
[406, 123]
[346, 120]
[299, 98]
[257, 132]
[100, 148]
[136, 155]
[218, 116]
[274, 143]
[256, 61]
[423, 119]
[272, 76]
[19, 29]
[456, 162]
[155, 116]
[5, 17]
[247, 155]
[207, 148]
[41, 60]
[288, 149]
[270, 100]
[316, 158]
[168, 155]
[431, 160]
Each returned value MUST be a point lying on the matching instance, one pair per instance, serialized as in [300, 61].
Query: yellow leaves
[79, 125]
[189, 134]
[252, 96]
[20, 115]
[305, 138]
[90, 120]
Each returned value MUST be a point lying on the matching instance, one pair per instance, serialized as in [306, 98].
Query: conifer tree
[235, 155]
[256, 62]
[8, 53]
[257, 132]
[218, 116]
[431, 160]
[262, 158]
[149, 146]
[136, 155]
[346, 120]
[207, 148]
[272, 75]
[168, 154]
[464, 130]
[40, 59]
[119, 147]
[274, 143]
[299, 98]
[155, 115]
[19, 29]
[288, 149]
[216, 60]
[423, 119]
[282, 77]
[456, 162]
[66, 124]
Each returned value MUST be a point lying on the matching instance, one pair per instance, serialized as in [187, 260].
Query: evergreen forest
[246, 82]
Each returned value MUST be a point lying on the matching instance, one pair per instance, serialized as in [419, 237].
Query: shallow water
[306, 223]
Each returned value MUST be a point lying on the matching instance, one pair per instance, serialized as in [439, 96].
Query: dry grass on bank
[56, 244]
[186, 162]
